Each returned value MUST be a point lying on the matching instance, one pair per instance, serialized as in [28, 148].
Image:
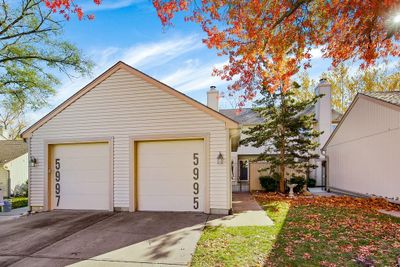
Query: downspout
[28, 141]
[8, 184]
[323, 152]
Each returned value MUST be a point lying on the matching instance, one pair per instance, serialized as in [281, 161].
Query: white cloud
[142, 56]
[108, 4]
[145, 56]
[193, 76]
[158, 53]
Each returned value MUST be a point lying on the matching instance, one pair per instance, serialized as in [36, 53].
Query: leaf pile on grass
[335, 231]
[373, 204]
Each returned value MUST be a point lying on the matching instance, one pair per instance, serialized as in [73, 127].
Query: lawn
[335, 231]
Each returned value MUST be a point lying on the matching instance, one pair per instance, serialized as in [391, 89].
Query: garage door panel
[174, 203]
[169, 146]
[165, 175]
[90, 164]
[165, 188]
[84, 176]
[84, 187]
[90, 175]
[89, 201]
[168, 160]
[178, 172]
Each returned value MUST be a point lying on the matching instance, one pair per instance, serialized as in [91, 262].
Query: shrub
[300, 181]
[19, 202]
[21, 190]
[311, 182]
[270, 183]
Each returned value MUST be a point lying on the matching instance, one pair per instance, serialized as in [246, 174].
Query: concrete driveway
[82, 238]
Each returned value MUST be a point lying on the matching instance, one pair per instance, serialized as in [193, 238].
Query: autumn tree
[31, 52]
[346, 82]
[303, 86]
[259, 36]
[12, 117]
[287, 133]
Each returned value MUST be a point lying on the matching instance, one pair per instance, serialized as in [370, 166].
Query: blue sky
[129, 30]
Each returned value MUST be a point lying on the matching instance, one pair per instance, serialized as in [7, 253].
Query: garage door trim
[134, 140]
[48, 157]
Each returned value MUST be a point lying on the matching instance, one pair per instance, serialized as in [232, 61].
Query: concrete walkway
[391, 213]
[318, 191]
[13, 214]
[246, 212]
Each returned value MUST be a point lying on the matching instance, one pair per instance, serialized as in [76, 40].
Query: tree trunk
[282, 180]
[282, 150]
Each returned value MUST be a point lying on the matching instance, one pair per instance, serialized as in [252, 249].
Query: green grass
[240, 246]
[304, 235]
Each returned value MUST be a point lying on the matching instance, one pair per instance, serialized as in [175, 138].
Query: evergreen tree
[288, 134]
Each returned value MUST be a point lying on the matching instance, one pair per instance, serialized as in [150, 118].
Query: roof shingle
[11, 149]
[392, 97]
[248, 116]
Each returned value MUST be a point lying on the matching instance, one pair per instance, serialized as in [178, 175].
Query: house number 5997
[195, 181]
[57, 183]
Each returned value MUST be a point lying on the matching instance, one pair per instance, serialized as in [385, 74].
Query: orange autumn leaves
[335, 231]
[66, 7]
[268, 41]
[372, 205]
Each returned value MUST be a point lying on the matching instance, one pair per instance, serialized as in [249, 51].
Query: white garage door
[171, 175]
[81, 176]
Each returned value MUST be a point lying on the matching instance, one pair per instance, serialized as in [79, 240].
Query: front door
[243, 182]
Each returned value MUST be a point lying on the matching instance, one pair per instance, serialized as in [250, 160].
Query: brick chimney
[213, 98]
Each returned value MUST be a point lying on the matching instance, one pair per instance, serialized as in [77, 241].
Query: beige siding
[18, 170]
[4, 181]
[255, 174]
[123, 106]
[364, 154]
[249, 150]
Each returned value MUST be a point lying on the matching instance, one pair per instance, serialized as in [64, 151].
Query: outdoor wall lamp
[33, 161]
[220, 158]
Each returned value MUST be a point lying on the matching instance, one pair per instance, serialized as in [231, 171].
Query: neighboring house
[4, 135]
[364, 150]
[13, 165]
[129, 142]
[245, 168]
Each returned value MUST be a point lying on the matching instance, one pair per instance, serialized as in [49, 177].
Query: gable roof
[243, 116]
[391, 99]
[11, 149]
[247, 116]
[230, 123]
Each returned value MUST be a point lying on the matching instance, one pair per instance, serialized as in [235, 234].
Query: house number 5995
[57, 183]
[195, 181]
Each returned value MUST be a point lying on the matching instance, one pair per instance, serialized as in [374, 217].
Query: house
[4, 134]
[13, 165]
[128, 142]
[245, 168]
[364, 150]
